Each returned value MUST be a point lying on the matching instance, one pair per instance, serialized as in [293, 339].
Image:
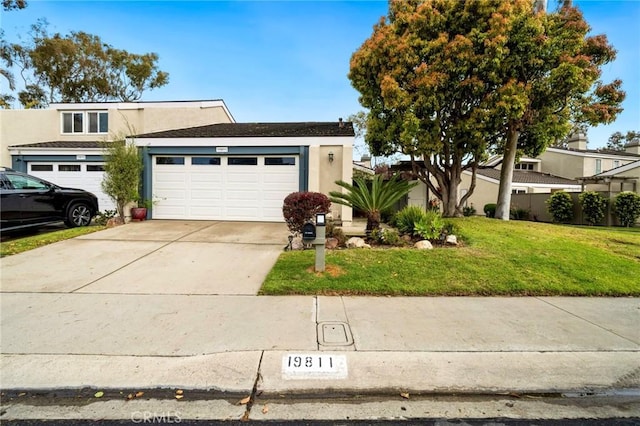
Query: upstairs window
[98, 122]
[72, 122]
[598, 166]
[85, 122]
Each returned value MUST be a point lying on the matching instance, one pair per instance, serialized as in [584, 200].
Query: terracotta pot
[138, 213]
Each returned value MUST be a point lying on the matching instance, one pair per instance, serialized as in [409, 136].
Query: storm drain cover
[334, 334]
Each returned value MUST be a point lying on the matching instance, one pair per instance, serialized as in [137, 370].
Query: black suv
[27, 201]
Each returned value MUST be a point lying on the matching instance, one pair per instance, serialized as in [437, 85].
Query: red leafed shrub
[301, 207]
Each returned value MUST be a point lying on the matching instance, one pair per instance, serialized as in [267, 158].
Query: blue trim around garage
[19, 162]
[149, 152]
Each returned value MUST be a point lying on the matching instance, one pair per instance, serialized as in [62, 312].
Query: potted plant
[140, 212]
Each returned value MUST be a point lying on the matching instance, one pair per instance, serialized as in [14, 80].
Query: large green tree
[550, 71]
[444, 80]
[79, 67]
[428, 76]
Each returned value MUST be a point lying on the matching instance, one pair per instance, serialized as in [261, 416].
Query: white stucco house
[198, 162]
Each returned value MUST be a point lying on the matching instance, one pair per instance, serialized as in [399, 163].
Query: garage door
[245, 188]
[87, 176]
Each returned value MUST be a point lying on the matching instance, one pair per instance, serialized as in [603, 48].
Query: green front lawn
[499, 258]
[19, 245]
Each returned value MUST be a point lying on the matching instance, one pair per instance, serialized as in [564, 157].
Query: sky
[285, 60]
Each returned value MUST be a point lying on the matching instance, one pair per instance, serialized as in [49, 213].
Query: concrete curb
[372, 373]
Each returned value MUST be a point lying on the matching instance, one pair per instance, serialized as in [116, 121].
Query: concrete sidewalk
[375, 345]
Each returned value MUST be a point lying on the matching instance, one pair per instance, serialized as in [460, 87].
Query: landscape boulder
[423, 245]
[357, 242]
[297, 244]
[331, 243]
[451, 240]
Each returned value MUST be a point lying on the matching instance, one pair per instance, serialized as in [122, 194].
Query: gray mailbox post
[320, 241]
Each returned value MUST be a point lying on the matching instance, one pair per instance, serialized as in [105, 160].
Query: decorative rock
[297, 244]
[356, 242]
[451, 240]
[331, 243]
[114, 221]
[423, 245]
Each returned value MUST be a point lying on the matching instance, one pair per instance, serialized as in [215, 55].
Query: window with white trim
[80, 122]
[524, 166]
[598, 166]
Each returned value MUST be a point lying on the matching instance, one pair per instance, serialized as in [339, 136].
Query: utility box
[308, 232]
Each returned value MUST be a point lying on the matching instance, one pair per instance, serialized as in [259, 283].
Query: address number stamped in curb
[314, 366]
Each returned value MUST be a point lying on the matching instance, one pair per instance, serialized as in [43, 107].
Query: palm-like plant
[380, 196]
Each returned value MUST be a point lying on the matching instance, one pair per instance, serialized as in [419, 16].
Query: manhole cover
[334, 334]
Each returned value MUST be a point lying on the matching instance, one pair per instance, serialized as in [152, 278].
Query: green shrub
[387, 236]
[406, 219]
[627, 208]
[560, 206]
[490, 210]
[301, 207]
[594, 207]
[332, 231]
[451, 228]
[469, 210]
[103, 217]
[518, 213]
[431, 227]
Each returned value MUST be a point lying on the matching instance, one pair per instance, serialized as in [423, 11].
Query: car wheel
[78, 215]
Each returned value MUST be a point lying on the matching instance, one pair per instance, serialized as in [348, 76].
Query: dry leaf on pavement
[265, 409]
[405, 395]
[244, 401]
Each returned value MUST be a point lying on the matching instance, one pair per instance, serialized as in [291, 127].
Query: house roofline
[594, 154]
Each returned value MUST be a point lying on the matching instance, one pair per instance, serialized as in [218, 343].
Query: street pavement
[173, 305]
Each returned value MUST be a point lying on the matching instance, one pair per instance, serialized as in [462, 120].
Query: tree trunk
[373, 221]
[506, 174]
[450, 200]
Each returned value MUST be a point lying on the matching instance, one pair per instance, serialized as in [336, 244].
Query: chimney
[366, 160]
[633, 147]
[577, 141]
[540, 6]
[340, 123]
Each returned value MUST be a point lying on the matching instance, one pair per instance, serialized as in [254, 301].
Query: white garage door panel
[83, 179]
[222, 191]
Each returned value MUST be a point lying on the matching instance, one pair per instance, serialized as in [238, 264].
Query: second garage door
[244, 188]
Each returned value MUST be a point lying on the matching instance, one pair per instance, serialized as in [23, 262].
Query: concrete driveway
[153, 257]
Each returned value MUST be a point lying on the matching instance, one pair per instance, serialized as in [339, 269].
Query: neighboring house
[363, 167]
[576, 161]
[63, 143]
[573, 168]
[243, 171]
[623, 178]
[526, 180]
